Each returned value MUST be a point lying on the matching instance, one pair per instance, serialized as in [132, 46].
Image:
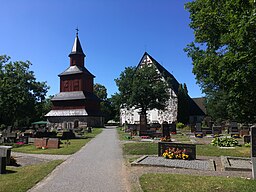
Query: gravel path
[98, 166]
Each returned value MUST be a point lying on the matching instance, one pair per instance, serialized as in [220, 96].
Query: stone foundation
[75, 122]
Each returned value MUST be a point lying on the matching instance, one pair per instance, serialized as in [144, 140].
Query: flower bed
[172, 150]
[175, 153]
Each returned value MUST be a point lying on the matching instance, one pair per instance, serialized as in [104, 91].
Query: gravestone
[23, 139]
[247, 139]
[53, 143]
[2, 165]
[68, 135]
[198, 132]
[216, 130]
[89, 130]
[244, 131]
[9, 137]
[143, 124]
[166, 129]
[5, 151]
[40, 142]
[173, 128]
[198, 127]
[253, 151]
[234, 129]
[190, 148]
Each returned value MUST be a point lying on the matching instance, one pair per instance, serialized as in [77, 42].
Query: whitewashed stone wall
[131, 116]
[169, 115]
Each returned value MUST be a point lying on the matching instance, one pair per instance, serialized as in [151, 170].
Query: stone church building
[169, 115]
[76, 105]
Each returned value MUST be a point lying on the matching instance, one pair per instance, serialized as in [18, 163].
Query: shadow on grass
[10, 171]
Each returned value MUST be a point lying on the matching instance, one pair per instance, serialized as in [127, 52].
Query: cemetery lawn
[122, 134]
[209, 150]
[145, 148]
[65, 148]
[189, 183]
[23, 178]
[140, 148]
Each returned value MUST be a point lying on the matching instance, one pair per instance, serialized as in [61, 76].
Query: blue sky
[114, 34]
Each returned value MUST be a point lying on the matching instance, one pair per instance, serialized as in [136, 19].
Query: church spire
[77, 55]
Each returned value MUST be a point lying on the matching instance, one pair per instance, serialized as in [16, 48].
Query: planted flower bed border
[167, 146]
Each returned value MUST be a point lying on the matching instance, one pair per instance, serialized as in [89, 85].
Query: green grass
[74, 146]
[188, 183]
[181, 138]
[209, 150]
[202, 150]
[142, 148]
[122, 135]
[23, 178]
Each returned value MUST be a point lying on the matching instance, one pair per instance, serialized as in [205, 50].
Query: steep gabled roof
[194, 109]
[166, 74]
[200, 101]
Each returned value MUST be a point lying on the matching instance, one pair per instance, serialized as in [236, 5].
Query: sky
[114, 34]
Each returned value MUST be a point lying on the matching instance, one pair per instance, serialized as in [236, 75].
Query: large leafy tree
[142, 88]
[183, 104]
[20, 93]
[224, 56]
[105, 104]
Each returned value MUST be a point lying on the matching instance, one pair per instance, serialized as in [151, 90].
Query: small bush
[180, 125]
[224, 142]
[247, 145]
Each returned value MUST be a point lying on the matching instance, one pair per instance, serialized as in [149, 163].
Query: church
[196, 107]
[75, 105]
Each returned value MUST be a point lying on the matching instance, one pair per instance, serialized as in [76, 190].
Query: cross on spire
[77, 31]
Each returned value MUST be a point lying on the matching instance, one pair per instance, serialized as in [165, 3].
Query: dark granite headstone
[253, 141]
[198, 127]
[68, 135]
[247, 139]
[216, 130]
[190, 148]
[173, 128]
[198, 130]
[234, 129]
[253, 151]
[143, 123]
[2, 165]
[23, 139]
[166, 129]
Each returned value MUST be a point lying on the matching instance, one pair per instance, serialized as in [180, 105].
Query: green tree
[142, 88]
[115, 103]
[105, 104]
[183, 104]
[100, 91]
[223, 55]
[20, 93]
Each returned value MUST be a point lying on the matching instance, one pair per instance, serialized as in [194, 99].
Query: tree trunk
[143, 123]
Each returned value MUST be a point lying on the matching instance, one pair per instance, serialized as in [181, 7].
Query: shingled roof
[75, 70]
[77, 48]
[74, 95]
